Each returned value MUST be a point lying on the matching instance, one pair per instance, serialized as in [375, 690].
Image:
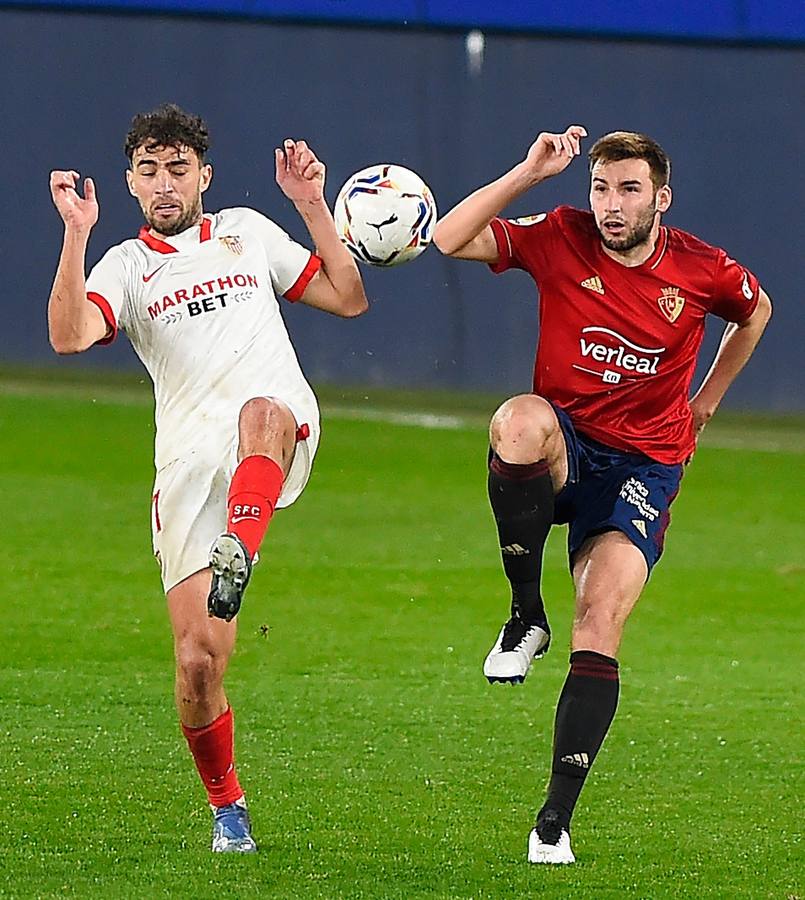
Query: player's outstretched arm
[74, 323]
[737, 346]
[465, 233]
[337, 287]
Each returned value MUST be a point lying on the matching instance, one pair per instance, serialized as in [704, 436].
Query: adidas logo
[593, 284]
[640, 525]
[577, 759]
[514, 550]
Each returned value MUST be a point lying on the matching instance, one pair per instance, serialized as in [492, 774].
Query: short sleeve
[106, 288]
[292, 266]
[735, 291]
[523, 243]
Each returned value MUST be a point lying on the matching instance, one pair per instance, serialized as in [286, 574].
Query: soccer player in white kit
[237, 424]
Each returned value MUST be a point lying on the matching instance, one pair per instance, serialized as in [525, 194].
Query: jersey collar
[659, 249]
[160, 246]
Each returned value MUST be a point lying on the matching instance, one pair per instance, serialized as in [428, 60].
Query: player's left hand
[701, 416]
[300, 175]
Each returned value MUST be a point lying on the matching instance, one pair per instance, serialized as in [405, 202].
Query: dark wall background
[730, 117]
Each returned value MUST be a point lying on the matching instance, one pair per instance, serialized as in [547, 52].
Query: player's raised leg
[527, 466]
[608, 573]
[266, 443]
[202, 647]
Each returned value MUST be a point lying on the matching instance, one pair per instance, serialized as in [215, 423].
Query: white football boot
[517, 646]
[549, 842]
[231, 570]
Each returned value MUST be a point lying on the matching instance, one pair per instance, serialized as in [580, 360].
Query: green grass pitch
[377, 760]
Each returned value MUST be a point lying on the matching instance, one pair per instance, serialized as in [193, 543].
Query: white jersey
[201, 312]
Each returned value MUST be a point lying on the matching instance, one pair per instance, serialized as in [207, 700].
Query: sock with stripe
[521, 497]
[585, 711]
[213, 749]
[253, 494]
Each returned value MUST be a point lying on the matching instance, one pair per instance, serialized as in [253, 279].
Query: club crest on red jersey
[232, 243]
[671, 304]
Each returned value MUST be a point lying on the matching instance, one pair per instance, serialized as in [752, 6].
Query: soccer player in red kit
[601, 441]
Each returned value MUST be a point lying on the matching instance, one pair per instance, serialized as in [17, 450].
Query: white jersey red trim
[296, 290]
[201, 312]
[108, 315]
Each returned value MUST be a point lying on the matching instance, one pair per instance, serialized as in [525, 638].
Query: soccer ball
[385, 215]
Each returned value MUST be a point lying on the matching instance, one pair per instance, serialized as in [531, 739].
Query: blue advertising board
[726, 20]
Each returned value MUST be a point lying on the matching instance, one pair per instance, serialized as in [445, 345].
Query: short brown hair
[619, 145]
[168, 126]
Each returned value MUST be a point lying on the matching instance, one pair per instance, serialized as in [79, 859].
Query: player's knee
[199, 670]
[266, 424]
[598, 623]
[261, 413]
[522, 427]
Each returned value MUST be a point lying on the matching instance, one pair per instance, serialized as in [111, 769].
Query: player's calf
[522, 500]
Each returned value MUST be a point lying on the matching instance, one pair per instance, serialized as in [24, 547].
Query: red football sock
[213, 749]
[253, 494]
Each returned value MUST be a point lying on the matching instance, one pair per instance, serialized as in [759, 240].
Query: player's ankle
[527, 604]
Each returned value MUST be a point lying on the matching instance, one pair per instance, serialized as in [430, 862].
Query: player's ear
[130, 182]
[206, 177]
[664, 198]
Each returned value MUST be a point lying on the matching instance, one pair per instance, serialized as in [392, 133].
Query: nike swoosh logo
[242, 518]
[147, 278]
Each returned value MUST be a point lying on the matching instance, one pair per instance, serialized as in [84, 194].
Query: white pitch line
[711, 441]
[415, 419]
[126, 396]
[722, 442]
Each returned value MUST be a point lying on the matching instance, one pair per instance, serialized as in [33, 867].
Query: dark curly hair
[168, 126]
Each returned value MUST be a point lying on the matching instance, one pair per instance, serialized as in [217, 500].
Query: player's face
[168, 183]
[625, 203]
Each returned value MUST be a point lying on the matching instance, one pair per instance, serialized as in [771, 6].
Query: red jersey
[617, 345]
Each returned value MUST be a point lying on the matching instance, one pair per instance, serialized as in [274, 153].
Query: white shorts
[188, 504]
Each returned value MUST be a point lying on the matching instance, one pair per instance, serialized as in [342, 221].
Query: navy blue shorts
[612, 490]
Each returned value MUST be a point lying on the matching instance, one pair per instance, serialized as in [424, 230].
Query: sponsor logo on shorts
[640, 525]
[620, 357]
[635, 492]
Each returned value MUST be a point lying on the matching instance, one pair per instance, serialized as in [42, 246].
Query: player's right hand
[80, 213]
[552, 153]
